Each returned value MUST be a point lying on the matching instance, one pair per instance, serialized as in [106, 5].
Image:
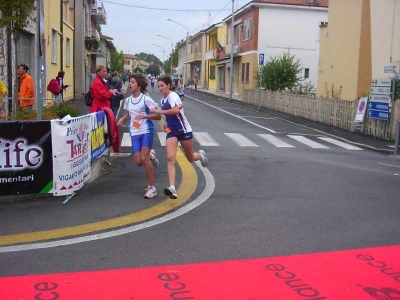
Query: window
[248, 29]
[68, 52]
[237, 34]
[65, 12]
[54, 46]
[212, 72]
[306, 73]
[246, 72]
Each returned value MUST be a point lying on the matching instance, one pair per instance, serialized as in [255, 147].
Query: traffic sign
[377, 90]
[379, 98]
[197, 69]
[362, 105]
[379, 106]
[261, 59]
[389, 69]
[376, 114]
[382, 82]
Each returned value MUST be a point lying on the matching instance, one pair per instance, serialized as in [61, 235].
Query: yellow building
[216, 34]
[59, 43]
[356, 45]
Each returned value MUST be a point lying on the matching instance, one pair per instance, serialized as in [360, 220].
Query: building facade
[357, 43]
[131, 62]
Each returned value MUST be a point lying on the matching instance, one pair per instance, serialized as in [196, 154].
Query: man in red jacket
[100, 93]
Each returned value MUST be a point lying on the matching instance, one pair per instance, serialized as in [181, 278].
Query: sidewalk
[354, 138]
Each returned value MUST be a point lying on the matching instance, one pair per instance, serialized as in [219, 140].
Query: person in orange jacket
[26, 92]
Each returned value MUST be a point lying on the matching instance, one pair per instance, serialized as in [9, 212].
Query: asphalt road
[272, 197]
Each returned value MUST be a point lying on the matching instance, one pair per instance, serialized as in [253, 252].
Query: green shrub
[63, 109]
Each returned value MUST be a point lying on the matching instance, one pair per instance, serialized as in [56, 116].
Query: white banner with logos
[71, 141]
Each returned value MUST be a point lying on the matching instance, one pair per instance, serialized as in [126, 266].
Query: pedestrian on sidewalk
[152, 81]
[26, 90]
[142, 110]
[60, 79]
[177, 129]
[196, 82]
[180, 89]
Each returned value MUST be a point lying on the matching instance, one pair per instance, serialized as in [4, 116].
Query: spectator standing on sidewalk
[26, 91]
[100, 93]
[60, 79]
[178, 129]
[142, 110]
[196, 82]
[114, 82]
[4, 92]
[180, 89]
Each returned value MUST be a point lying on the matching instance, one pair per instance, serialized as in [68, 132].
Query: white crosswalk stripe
[339, 143]
[241, 140]
[275, 141]
[307, 142]
[206, 140]
[126, 140]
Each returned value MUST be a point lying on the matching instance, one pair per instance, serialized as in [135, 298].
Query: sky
[135, 29]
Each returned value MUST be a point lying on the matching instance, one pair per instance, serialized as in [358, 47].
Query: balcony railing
[93, 34]
[194, 57]
[211, 54]
[236, 50]
[98, 13]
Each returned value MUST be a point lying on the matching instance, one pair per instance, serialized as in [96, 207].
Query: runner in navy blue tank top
[177, 129]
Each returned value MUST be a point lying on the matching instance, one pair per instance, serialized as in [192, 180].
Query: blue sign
[379, 106]
[261, 59]
[376, 114]
[197, 69]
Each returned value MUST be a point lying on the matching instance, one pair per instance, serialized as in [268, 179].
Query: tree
[117, 61]
[15, 17]
[153, 69]
[279, 73]
[150, 58]
[137, 70]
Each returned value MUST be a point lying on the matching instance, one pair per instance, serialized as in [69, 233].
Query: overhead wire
[164, 9]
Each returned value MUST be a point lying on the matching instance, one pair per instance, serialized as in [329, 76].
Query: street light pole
[187, 44]
[162, 51]
[172, 49]
[232, 42]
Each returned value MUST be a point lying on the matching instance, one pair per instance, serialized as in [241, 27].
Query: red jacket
[101, 95]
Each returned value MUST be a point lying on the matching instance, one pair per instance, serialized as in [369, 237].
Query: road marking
[186, 189]
[205, 139]
[236, 116]
[162, 137]
[339, 143]
[241, 140]
[308, 142]
[126, 140]
[252, 117]
[275, 141]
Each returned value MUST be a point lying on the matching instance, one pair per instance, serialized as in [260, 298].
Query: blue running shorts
[141, 140]
[181, 136]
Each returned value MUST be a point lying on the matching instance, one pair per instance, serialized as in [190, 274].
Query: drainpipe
[62, 35]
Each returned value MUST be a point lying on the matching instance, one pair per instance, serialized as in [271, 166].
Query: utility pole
[232, 42]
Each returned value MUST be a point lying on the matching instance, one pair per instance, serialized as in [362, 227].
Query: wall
[340, 48]
[285, 27]
[385, 32]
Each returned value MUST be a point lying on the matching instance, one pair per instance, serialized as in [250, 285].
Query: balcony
[96, 49]
[211, 54]
[98, 13]
[92, 35]
[236, 50]
[194, 57]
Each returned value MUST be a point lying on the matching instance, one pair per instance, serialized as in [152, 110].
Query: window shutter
[247, 72]
[243, 71]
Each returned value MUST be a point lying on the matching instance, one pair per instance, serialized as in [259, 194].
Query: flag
[219, 48]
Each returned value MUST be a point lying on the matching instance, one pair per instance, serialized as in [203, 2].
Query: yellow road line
[187, 188]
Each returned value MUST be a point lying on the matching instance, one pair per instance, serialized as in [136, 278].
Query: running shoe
[153, 158]
[170, 192]
[204, 160]
[151, 192]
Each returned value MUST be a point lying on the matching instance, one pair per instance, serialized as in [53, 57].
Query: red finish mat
[372, 273]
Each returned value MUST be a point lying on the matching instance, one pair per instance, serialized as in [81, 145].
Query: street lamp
[187, 40]
[160, 50]
[172, 48]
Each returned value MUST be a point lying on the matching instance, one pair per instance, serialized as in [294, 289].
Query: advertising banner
[25, 157]
[98, 142]
[71, 139]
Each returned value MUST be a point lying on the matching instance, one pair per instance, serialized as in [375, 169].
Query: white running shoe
[151, 192]
[153, 158]
[204, 160]
[170, 192]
